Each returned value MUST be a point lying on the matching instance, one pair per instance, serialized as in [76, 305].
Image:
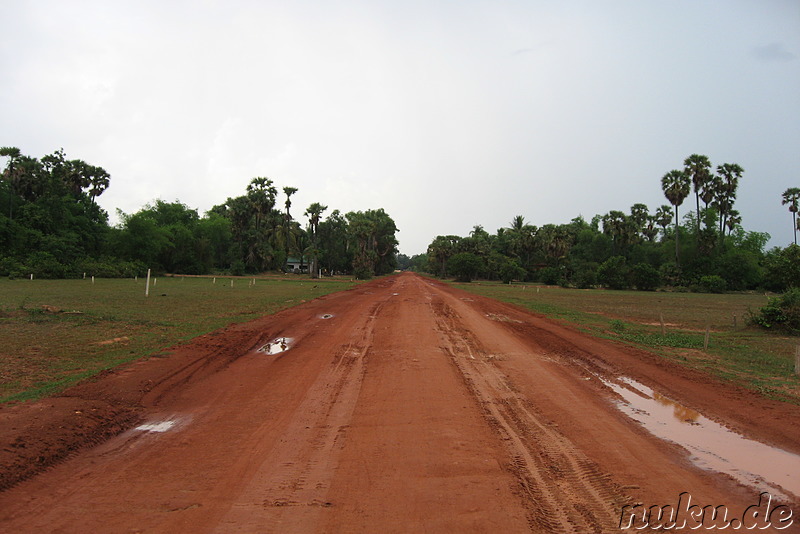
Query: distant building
[296, 265]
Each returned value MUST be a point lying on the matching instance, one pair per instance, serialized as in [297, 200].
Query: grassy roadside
[89, 327]
[751, 357]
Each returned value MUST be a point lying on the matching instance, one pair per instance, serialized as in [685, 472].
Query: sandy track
[402, 405]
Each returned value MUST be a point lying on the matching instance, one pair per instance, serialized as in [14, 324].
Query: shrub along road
[401, 405]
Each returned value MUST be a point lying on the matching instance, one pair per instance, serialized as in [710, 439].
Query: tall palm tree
[314, 212]
[10, 174]
[99, 180]
[676, 186]
[614, 225]
[698, 168]
[640, 215]
[288, 191]
[792, 197]
[729, 174]
[261, 194]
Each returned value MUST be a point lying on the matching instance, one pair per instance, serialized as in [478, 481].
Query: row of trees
[709, 251]
[51, 226]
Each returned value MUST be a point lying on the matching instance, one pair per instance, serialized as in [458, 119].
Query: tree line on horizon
[707, 250]
[52, 227]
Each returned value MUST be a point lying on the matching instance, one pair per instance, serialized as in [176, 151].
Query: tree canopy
[635, 248]
[51, 226]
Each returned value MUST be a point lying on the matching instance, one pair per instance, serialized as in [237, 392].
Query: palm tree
[663, 218]
[676, 186]
[640, 215]
[261, 194]
[792, 197]
[734, 219]
[289, 191]
[649, 229]
[615, 225]
[517, 223]
[729, 174]
[698, 168]
[314, 212]
[478, 231]
[99, 180]
[10, 174]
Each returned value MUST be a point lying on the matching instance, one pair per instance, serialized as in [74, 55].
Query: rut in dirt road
[565, 491]
[402, 405]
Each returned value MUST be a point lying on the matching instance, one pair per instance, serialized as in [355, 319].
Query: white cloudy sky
[445, 113]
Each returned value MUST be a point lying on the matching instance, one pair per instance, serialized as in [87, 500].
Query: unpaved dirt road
[402, 405]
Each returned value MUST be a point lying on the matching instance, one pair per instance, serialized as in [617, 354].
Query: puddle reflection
[711, 445]
[277, 346]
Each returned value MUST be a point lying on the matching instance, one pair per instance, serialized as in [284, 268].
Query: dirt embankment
[400, 405]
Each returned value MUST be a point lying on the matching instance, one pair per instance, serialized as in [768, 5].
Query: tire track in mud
[299, 469]
[563, 489]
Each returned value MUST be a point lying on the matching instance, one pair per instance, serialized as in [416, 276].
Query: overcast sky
[447, 114]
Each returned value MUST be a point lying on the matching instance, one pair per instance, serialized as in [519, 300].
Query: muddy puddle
[276, 346]
[710, 445]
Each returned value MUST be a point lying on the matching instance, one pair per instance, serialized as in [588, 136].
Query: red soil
[414, 408]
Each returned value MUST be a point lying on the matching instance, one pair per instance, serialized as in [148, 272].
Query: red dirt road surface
[402, 405]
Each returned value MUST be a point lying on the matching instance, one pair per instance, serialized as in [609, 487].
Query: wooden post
[147, 285]
[214, 281]
[231, 282]
[797, 360]
[705, 341]
[734, 321]
[663, 326]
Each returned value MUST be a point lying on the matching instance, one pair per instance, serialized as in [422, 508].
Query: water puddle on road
[711, 445]
[276, 346]
[326, 316]
[162, 426]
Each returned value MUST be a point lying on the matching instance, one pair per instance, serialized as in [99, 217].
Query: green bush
[780, 313]
[584, 275]
[550, 276]
[465, 265]
[645, 277]
[237, 268]
[711, 284]
[363, 273]
[614, 273]
[511, 270]
[44, 265]
[782, 268]
[12, 268]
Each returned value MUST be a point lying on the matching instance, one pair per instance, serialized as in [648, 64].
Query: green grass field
[42, 352]
[109, 322]
[754, 358]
